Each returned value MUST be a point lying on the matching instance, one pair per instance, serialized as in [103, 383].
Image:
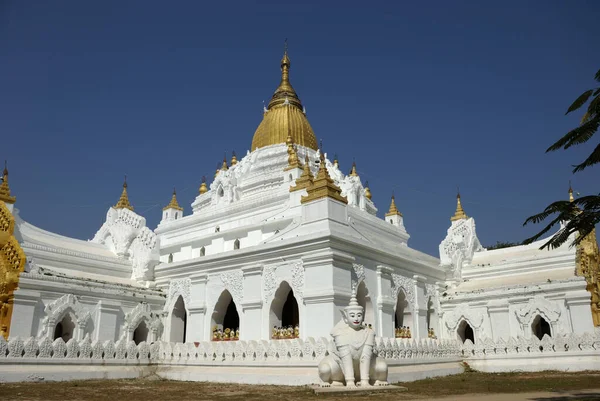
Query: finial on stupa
[173, 204]
[393, 211]
[293, 161]
[4, 188]
[571, 198]
[306, 179]
[367, 190]
[218, 169]
[460, 213]
[203, 188]
[353, 172]
[123, 202]
[224, 165]
[323, 186]
[233, 158]
[336, 162]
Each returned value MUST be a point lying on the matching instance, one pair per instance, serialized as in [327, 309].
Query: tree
[501, 245]
[582, 214]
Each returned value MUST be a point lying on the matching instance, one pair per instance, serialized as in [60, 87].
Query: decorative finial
[285, 46]
[173, 204]
[323, 186]
[224, 165]
[353, 172]
[4, 188]
[571, 198]
[393, 211]
[123, 202]
[353, 304]
[233, 158]
[368, 191]
[459, 214]
[335, 160]
[203, 188]
[264, 108]
[293, 161]
[306, 179]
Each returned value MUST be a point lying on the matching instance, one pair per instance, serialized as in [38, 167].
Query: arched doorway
[65, 328]
[225, 317]
[465, 332]
[140, 333]
[403, 318]
[284, 315]
[178, 321]
[540, 327]
[364, 299]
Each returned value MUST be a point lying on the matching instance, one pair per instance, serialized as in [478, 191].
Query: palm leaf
[597, 77]
[576, 136]
[592, 159]
[580, 101]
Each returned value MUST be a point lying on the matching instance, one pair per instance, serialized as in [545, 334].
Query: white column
[499, 319]
[420, 311]
[24, 318]
[385, 303]
[195, 330]
[109, 325]
[251, 325]
[580, 311]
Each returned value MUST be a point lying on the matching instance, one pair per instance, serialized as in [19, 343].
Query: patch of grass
[165, 390]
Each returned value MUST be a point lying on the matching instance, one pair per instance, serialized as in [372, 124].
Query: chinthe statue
[351, 357]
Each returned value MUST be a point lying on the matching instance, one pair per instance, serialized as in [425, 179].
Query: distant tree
[500, 245]
[581, 215]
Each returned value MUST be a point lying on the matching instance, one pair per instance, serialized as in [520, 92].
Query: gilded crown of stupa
[284, 116]
[123, 202]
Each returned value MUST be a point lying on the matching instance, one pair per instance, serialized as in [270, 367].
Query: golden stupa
[284, 116]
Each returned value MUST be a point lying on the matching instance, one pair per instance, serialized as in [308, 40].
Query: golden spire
[4, 188]
[393, 209]
[571, 198]
[224, 165]
[306, 179]
[323, 186]
[335, 161]
[293, 161]
[353, 170]
[367, 191]
[123, 202]
[203, 188]
[460, 213]
[218, 169]
[173, 204]
[233, 159]
[284, 115]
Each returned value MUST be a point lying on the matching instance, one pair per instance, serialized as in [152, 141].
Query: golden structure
[233, 159]
[323, 186]
[293, 161]
[353, 172]
[368, 191]
[5, 189]
[393, 211]
[173, 204]
[588, 265]
[123, 202]
[336, 163]
[203, 188]
[284, 116]
[224, 166]
[305, 180]
[12, 263]
[459, 214]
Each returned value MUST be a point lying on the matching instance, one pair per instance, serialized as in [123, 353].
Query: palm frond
[592, 159]
[597, 77]
[580, 101]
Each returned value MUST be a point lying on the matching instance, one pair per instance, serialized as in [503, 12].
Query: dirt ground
[163, 390]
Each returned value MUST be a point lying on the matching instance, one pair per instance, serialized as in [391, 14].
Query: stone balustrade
[292, 351]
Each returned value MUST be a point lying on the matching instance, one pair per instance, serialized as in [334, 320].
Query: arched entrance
[225, 317]
[364, 299]
[540, 327]
[178, 321]
[284, 315]
[404, 317]
[465, 332]
[65, 328]
[140, 333]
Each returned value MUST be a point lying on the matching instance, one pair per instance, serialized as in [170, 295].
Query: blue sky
[425, 96]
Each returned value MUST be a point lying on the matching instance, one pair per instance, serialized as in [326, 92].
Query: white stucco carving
[56, 310]
[458, 247]
[273, 276]
[407, 285]
[538, 306]
[357, 274]
[142, 312]
[473, 316]
[234, 283]
[178, 287]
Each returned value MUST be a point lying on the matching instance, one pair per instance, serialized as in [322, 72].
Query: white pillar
[385, 303]
[195, 330]
[420, 311]
[251, 325]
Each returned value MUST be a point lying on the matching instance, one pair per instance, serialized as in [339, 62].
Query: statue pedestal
[317, 389]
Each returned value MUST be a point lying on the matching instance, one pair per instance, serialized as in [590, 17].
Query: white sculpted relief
[357, 274]
[351, 358]
[142, 312]
[57, 309]
[177, 287]
[542, 307]
[271, 279]
[234, 283]
[458, 247]
[407, 285]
